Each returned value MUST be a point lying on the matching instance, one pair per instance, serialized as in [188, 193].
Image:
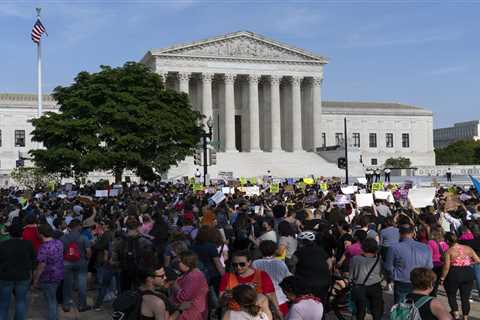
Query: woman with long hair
[458, 275]
[437, 247]
[247, 298]
[191, 287]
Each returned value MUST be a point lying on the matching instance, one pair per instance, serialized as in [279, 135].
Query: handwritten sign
[274, 188]
[377, 186]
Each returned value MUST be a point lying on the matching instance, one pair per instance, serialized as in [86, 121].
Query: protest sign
[218, 197]
[384, 195]
[114, 192]
[362, 180]
[341, 200]
[301, 185]
[101, 193]
[289, 188]
[274, 188]
[290, 181]
[308, 181]
[227, 190]
[243, 181]
[377, 186]
[364, 200]
[324, 186]
[252, 191]
[197, 187]
[349, 189]
[421, 197]
[253, 180]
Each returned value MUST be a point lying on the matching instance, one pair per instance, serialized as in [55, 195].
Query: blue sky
[424, 53]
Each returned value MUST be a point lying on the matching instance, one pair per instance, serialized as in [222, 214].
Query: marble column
[207, 96]
[275, 111]
[317, 112]
[296, 114]
[254, 113]
[184, 78]
[230, 113]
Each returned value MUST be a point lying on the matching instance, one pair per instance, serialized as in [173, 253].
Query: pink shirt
[436, 254]
[194, 288]
[353, 250]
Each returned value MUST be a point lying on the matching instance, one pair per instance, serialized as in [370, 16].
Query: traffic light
[342, 163]
[197, 157]
[212, 156]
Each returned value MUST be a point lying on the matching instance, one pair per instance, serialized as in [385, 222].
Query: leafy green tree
[33, 177]
[400, 163]
[116, 119]
[464, 152]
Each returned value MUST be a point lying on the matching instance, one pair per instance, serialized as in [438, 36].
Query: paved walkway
[36, 310]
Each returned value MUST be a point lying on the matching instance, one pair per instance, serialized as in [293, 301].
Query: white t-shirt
[269, 235]
[306, 310]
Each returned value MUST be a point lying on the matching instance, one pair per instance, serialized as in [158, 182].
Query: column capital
[254, 78]
[295, 80]
[164, 75]
[184, 75]
[207, 77]
[317, 81]
[229, 77]
[274, 79]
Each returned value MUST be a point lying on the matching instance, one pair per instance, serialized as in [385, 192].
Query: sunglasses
[239, 264]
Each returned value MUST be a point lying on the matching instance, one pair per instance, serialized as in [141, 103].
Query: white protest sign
[101, 193]
[114, 192]
[349, 189]
[227, 190]
[384, 195]
[364, 200]
[341, 200]
[421, 197]
[362, 180]
[218, 197]
[252, 191]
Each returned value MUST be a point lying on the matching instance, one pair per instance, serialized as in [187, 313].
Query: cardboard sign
[218, 197]
[364, 200]
[384, 195]
[377, 186]
[421, 197]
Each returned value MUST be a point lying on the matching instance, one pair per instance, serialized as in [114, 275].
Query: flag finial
[38, 12]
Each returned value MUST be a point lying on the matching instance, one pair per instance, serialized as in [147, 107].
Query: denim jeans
[21, 290]
[400, 290]
[105, 276]
[75, 273]
[476, 270]
[49, 291]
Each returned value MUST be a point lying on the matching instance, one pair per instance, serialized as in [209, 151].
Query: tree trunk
[118, 175]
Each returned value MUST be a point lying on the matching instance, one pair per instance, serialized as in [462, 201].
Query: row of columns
[253, 79]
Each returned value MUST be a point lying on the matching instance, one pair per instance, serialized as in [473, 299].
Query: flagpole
[39, 73]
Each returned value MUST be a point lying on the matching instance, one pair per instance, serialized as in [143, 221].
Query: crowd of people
[165, 251]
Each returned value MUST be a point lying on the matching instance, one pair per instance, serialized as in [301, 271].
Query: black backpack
[134, 254]
[128, 305]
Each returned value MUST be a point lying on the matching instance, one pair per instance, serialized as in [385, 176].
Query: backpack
[133, 255]
[128, 305]
[408, 309]
[72, 252]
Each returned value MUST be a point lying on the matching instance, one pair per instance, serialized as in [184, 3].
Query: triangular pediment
[241, 45]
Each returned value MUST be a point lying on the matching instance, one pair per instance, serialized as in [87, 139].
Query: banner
[364, 200]
[421, 197]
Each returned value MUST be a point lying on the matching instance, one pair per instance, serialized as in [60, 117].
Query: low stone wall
[473, 170]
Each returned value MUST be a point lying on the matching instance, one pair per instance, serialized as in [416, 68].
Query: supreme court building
[265, 100]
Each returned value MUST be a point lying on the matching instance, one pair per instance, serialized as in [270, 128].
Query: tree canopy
[116, 119]
[462, 152]
[399, 163]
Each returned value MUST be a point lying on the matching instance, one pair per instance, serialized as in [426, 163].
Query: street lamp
[206, 135]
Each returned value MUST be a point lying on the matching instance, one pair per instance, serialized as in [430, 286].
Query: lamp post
[206, 135]
[346, 149]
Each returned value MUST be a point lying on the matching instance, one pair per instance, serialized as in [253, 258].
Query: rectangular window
[324, 140]
[339, 139]
[389, 140]
[372, 139]
[19, 138]
[405, 140]
[374, 161]
[356, 139]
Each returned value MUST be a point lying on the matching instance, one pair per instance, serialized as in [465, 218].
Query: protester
[17, 261]
[304, 305]
[247, 299]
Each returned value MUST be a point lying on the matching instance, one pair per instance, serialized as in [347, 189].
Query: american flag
[37, 31]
